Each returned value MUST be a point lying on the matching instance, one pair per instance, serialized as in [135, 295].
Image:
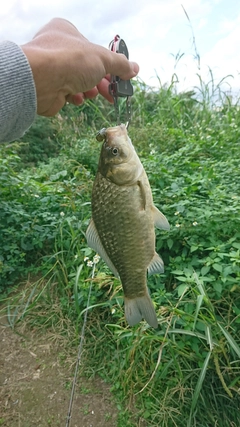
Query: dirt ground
[36, 381]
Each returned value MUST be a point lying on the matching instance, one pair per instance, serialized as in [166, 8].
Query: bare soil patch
[36, 381]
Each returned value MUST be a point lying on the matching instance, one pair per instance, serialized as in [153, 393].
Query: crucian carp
[122, 230]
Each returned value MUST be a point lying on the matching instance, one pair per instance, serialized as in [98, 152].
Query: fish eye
[115, 151]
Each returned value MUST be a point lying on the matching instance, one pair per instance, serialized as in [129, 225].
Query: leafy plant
[185, 373]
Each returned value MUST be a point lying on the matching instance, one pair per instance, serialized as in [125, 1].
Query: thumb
[118, 65]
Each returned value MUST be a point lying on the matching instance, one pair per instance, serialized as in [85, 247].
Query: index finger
[103, 89]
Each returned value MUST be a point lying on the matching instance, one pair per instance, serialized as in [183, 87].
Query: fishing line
[79, 351]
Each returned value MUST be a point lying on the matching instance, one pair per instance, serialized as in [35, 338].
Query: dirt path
[35, 385]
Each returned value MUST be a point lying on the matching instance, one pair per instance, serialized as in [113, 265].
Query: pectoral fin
[156, 265]
[160, 221]
[143, 194]
[93, 240]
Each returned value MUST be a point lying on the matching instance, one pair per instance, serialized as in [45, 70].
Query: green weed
[185, 373]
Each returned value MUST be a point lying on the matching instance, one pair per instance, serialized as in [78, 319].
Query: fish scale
[123, 218]
[121, 230]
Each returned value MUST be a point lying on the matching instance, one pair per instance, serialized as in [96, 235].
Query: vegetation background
[187, 372]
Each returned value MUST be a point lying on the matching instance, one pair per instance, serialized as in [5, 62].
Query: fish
[124, 217]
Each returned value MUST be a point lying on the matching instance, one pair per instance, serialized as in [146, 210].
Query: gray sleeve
[18, 101]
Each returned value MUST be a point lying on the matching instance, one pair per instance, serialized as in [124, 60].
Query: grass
[187, 372]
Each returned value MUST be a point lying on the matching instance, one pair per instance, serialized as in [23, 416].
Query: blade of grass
[198, 387]
[209, 337]
[230, 339]
[102, 304]
[191, 333]
[75, 288]
[202, 291]
[199, 304]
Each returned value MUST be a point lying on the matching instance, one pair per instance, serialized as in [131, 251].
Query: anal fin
[156, 265]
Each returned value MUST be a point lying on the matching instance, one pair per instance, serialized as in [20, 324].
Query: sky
[158, 34]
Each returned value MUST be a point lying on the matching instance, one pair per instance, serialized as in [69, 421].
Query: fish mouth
[105, 134]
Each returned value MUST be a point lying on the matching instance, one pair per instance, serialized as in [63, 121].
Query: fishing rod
[80, 348]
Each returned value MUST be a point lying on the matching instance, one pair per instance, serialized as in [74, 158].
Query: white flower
[178, 225]
[96, 258]
[195, 223]
[36, 195]
[89, 263]
[177, 213]
[113, 310]
[85, 258]
[62, 214]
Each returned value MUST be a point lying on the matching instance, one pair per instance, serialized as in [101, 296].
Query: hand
[68, 68]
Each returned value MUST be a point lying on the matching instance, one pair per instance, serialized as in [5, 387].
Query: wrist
[43, 65]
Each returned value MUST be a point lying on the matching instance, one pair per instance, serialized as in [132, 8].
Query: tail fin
[138, 308]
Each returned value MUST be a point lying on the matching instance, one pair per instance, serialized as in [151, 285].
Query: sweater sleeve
[18, 101]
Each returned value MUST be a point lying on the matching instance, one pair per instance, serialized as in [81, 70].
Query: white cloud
[153, 30]
[224, 56]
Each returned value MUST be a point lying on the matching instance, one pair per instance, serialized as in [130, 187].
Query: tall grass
[187, 372]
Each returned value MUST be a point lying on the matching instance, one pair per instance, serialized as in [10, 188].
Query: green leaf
[177, 272]
[146, 414]
[205, 270]
[227, 270]
[181, 289]
[236, 245]
[217, 267]
[181, 278]
[218, 287]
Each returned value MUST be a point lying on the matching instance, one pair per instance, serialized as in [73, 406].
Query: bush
[39, 143]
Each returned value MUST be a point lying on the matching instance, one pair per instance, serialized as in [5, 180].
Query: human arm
[66, 67]
[17, 92]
